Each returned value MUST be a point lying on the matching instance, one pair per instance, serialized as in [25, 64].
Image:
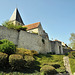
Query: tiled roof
[32, 26]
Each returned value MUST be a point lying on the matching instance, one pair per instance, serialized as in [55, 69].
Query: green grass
[18, 73]
[72, 64]
[49, 59]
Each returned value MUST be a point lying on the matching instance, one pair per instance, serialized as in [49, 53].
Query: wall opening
[60, 49]
[43, 41]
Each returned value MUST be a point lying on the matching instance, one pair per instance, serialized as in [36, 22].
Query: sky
[57, 17]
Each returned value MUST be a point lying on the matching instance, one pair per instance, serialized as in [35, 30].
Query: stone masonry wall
[9, 34]
[28, 40]
[24, 39]
[33, 42]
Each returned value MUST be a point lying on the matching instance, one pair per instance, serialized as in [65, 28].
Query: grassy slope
[41, 59]
[72, 64]
[49, 59]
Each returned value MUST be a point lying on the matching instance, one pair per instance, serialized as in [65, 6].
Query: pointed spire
[16, 17]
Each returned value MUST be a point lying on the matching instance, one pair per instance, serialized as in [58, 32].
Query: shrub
[49, 53]
[16, 61]
[70, 55]
[3, 59]
[23, 28]
[61, 70]
[66, 54]
[10, 25]
[29, 61]
[48, 70]
[7, 46]
[19, 27]
[34, 52]
[24, 52]
[73, 53]
[55, 65]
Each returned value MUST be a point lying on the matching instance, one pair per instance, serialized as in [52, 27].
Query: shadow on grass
[27, 70]
[46, 55]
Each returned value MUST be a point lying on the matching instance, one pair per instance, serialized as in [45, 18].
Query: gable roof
[16, 16]
[32, 26]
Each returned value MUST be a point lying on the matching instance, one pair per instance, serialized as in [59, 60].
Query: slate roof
[32, 26]
[16, 16]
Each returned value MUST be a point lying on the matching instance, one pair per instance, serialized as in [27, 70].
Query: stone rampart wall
[33, 42]
[9, 34]
[26, 40]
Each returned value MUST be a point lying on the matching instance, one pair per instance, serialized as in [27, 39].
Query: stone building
[35, 38]
[56, 47]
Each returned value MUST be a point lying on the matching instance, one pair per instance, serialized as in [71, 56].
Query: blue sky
[56, 16]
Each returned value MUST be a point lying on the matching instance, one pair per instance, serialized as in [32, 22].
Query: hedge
[24, 52]
[16, 61]
[48, 70]
[3, 59]
[29, 61]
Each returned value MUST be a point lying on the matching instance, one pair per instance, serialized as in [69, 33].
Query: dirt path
[66, 64]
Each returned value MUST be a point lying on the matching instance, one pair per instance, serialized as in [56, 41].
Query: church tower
[16, 18]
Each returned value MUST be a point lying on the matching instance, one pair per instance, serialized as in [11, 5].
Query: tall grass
[72, 64]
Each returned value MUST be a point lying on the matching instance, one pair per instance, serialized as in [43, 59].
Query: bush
[29, 61]
[23, 28]
[19, 27]
[16, 61]
[7, 46]
[71, 56]
[34, 52]
[24, 52]
[61, 70]
[3, 59]
[10, 25]
[48, 70]
[55, 65]
[73, 53]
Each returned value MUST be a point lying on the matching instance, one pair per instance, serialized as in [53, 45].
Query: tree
[72, 41]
